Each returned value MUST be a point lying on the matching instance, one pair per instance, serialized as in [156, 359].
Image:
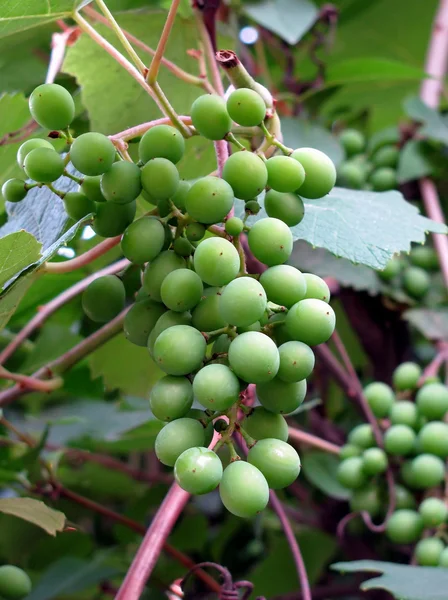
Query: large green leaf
[303, 132]
[35, 512]
[320, 469]
[10, 300]
[433, 126]
[354, 70]
[412, 163]
[432, 323]
[17, 16]
[17, 251]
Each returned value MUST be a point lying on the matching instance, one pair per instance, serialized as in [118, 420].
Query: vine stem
[302, 437]
[209, 54]
[161, 46]
[30, 383]
[139, 130]
[433, 368]
[84, 259]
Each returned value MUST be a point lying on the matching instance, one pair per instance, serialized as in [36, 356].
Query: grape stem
[51, 187]
[138, 130]
[271, 140]
[30, 383]
[78, 180]
[433, 368]
[84, 259]
[232, 139]
[151, 77]
[302, 437]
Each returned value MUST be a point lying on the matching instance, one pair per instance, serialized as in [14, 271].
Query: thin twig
[302, 437]
[59, 43]
[344, 355]
[139, 130]
[161, 46]
[30, 383]
[209, 54]
[84, 259]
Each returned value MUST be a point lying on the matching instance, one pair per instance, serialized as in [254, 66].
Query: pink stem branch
[138, 130]
[84, 259]
[59, 42]
[302, 437]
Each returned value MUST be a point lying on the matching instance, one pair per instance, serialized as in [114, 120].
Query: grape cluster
[415, 446]
[14, 583]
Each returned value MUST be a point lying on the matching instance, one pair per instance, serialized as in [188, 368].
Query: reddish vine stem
[302, 437]
[84, 259]
[433, 368]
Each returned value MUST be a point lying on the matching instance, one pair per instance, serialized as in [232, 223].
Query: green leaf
[403, 582]
[17, 251]
[320, 469]
[433, 126]
[17, 16]
[52, 342]
[10, 300]
[34, 511]
[302, 132]
[354, 70]
[191, 534]
[412, 163]
[390, 135]
[432, 323]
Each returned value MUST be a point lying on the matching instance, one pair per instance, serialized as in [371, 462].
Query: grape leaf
[320, 469]
[433, 126]
[412, 163]
[370, 69]
[303, 132]
[432, 323]
[18, 16]
[17, 251]
[35, 512]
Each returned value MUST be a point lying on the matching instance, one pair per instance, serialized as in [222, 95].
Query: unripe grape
[206, 315]
[141, 319]
[210, 117]
[316, 287]
[195, 232]
[443, 559]
[362, 436]
[234, 226]
[92, 153]
[285, 174]
[424, 257]
[216, 387]
[44, 165]
[270, 241]
[160, 178]
[416, 281]
[158, 269]
[246, 107]
[183, 247]
[14, 190]
[176, 437]
[296, 361]
[403, 497]
[353, 141]
[181, 290]
[374, 461]
[286, 207]
[433, 438]
[311, 321]
[246, 173]
[404, 413]
[91, 187]
[254, 357]
[380, 398]
[320, 172]
[404, 526]
[433, 511]
[244, 490]
[179, 350]
[29, 145]
[161, 141]
[350, 473]
[15, 584]
[112, 219]
[428, 551]
[406, 376]
[216, 261]
[181, 194]
[261, 424]
[387, 156]
[281, 397]
[198, 470]
[350, 174]
[252, 207]
[77, 205]
[391, 270]
[399, 440]
[209, 200]
[121, 183]
[52, 106]
[427, 470]
[432, 401]
[165, 321]
[349, 450]
[207, 425]
[383, 179]
[284, 285]
[242, 302]
[143, 240]
[367, 498]
[104, 298]
[277, 460]
[171, 398]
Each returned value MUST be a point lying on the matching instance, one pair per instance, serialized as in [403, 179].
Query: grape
[254, 357]
[362, 436]
[209, 200]
[122, 182]
[262, 423]
[433, 511]
[316, 287]
[252, 207]
[161, 141]
[14, 190]
[391, 270]
[408, 475]
[406, 376]
[52, 106]
[160, 178]
[143, 240]
[158, 269]
[91, 187]
[350, 473]
[281, 397]
[104, 298]
[399, 440]
[277, 460]
[403, 497]
[198, 470]
[77, 206]
[244, 490]
[404, 526]
[246, 173]
[270, 241]
[404, 413]
[168, 319]
[216, 387]
[242, 302]
[246, 107]
[29, 145]
[201, 416]
[14, 583]
[181, 290]
[284, 285]
[311, 321]
[366, 498]
[234, 226]
[141, 319]
[383, 179]
[380, 398]
[179, 350]
[210, 117]
[182, 247]
[296, 361]
[374, 461]
[443, 560]
[92, 153]
[181, 194]
[171, 398]
[387, 156]
[286, 207]
[351, 174]
[206, 315]
[285, 174]
[432, 401]
[353, 141]
[424, 257]
[43, 165]
[320, 172]
[176, 437]
[112, 219]
[428, 551]
[416, 281]
[349, 450]
[427, 470]
[195, 232]
[433, 438]
[216, 261]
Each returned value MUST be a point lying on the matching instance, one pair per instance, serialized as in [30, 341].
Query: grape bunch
[415, 446]
[15, 584]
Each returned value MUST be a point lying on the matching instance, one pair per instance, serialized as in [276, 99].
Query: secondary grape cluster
[415, 446]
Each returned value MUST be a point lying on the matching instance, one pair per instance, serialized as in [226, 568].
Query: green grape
[253, 327]
[406, 376]
[407, 474]
[270, 241]
[254, 357]
[160, 178]
[399, 440]
[320, 172]
[216, 261]
[246, 107]
[222, 344]
[433, 438]
[181, 290]
[349, 450]
[316, 287]
[171, 398]
[404, 413]
[161, 141]
[52, 106]
[311, 321]
[432, 401]
[443, 560]
[433, 511]
[104, 298]
[427, 470]
[77, 206]
[44, 165]
[242, 302]
[14, 190]
[121, 183]
[210, 117]
[206, 315]
[380, 398]
[277, 460]
[285, 174]
[91, 187]
[424, 257]
[198, 470]
[387, 156]
[404, 526]
[367, 498]
[286, 207]
[428, 551]
[234, 226]
[374, 461]
[92, 153]
[176, 437]
[183, 247]
[362, 436]
[163, 206]
[281, 397]
[296, 361]
[351, 174]
[179, 350]
[252, 207]
[383, 179]
[353, 141]
[112, 219]
[165, 321]
[209, 200]
[143, 240]
[164, 264]
[403, 497]
[416, 281]
[216, 387]
[284, 285]
[195, 232]
[29, 145]
[244, 490]
[350, 473]
[261, 424]
[246, 173]
[132, 281]
[180, 195]
[391, 270]
[201, 416]
[141, 319]
[15, 584]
